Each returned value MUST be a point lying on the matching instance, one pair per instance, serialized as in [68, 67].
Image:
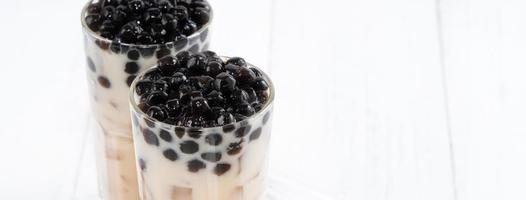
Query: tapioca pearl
[214, 139]
[234, 148]
[194, 40]
[244, 123]
[149, 123]
[133, 54]
[170, 154]
[194, 48]
[189, 147]
[147, 52]
[150, 137]
[104, 82]
[130, 80]
[221, 168]
[195, 133]
[243, 131]
[229, 128]
[113, 104]
[115, 47]
[211, 157]
[91, 65]
[131, 67]
[165, 135]
[255, 134]
[181, 44]
[195, 165]
[162, 52]
[179, 131]
[102, 44]
[266, 117]
[204, 35]
[142, 164]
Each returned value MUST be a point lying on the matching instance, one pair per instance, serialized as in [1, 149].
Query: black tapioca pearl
[157, 98]
[204, 35]
[162, 52]
[245, 76]
[266, 117]
[229, 128]
[136, 6]
[150, 137]
[134, 54]
[194, 48]
[102, 44]
[113, 104]
[147, 52]
[93, 22]
[181, 43]
[130, 79]
[234, 148]
[94, 8]
[257, 72]
[225, 82]
[149, 123]
[170, 154]
[244, 123]
[131, 68]
[240, 117]
[165, 135]
[195, 165]
[214, 139]
[211, 157]
[193, 40]
[91, 65]
[237, 61]
[244, 109]
[243, 131]
[260, 84]
[200, 15]
[257, 106]
[142, 164]
[255, 134]
[179, 131]
[157, 113]
[189, 147]
[104, 82]
[195, 133]
[221, 168]
[115, 47]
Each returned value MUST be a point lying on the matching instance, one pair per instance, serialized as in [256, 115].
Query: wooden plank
[43, 100]
[360, 110]
[485, 48]
[241, 28]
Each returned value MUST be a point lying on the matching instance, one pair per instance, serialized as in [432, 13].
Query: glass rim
[135, 107]
[92, 34]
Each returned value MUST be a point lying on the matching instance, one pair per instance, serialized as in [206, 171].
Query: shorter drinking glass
[216, 163]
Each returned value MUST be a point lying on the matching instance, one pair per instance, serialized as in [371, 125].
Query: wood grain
[485, 48]
[360, 108]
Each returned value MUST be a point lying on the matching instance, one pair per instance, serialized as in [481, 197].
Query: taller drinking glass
[122, 39]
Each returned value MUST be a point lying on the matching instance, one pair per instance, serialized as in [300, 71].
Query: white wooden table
[377, 99]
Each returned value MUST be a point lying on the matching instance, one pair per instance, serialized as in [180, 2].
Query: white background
[376, 99]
